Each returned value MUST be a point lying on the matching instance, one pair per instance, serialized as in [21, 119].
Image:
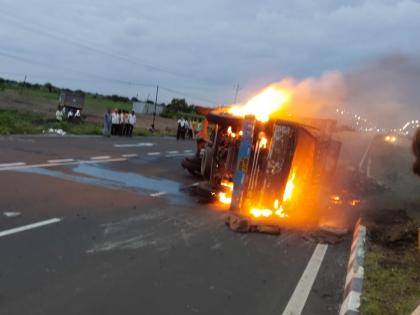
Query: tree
[49, 87]
[178, 105]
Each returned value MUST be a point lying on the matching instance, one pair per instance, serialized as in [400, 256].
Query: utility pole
[154, 113]
[236, 93]
[23, 84]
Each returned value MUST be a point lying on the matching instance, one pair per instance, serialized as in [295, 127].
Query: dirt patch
[390, 228]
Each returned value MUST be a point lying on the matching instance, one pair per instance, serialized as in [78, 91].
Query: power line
[41, 30]
[111, 80]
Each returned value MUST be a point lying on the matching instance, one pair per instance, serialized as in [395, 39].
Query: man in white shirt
[121, 122]
[114, 120]
[180, 132]
[59, 114]
[132, 119]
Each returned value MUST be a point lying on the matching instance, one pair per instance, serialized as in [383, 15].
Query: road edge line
[355, 272]
[301, 293]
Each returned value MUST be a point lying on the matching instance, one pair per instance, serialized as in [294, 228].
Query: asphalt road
[109, 226]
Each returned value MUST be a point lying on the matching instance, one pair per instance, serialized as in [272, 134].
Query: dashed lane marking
[132, 145]
[102, 157]
[173, 152]
[129, 155]
[304, 286]
[160, 193]
[61, 161]
[177, 154]
[188, 151]
[29, 227]
[11, 168]
[12, 164]
[153, 153]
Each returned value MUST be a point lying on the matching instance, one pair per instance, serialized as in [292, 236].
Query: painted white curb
[354, 280]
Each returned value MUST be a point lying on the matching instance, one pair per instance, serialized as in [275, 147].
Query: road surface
[92, 225]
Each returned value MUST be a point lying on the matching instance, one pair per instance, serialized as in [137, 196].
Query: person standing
[107, 123]
[59, 114]
[114, 119]
[120, 122]
[77, 115]
[194, 128]
[183, 128]
[126, 127]
[179, 129]
[70, 114]
[190, 130]
[132, 119]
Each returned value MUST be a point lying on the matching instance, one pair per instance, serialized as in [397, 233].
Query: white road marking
[365, 154]
[129, 155]
[61, 164]
[12, 164]
[173, 152]
[177, 154]
[101, 157]
[61, 161]
[153, 153]
[11, 214]
[304, 286]
[29, 227]
[188, 151]
[160, 193]
[132, 145]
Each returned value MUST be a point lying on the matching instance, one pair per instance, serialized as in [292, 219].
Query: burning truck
[271, 171]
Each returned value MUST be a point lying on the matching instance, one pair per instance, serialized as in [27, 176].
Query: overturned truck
[273, 173]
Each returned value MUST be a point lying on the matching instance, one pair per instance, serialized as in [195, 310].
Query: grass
[392, 278]
[25, 122]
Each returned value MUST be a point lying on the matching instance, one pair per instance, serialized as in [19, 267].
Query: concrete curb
[354, 280]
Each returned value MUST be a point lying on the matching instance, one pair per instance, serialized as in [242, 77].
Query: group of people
[67, 113]
[119, 123]
[187, 129]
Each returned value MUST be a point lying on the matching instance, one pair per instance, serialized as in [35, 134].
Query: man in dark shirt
[107, 123]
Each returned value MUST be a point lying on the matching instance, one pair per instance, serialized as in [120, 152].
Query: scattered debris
[237, 223]
[60, 132]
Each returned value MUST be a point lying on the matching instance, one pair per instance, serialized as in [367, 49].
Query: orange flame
[269, 101]
[263, 143]
[261, 212]
[290, 185]
[225, 197]
[280, 212]
[335, 199]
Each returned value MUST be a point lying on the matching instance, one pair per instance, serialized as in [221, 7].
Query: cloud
[201, 48]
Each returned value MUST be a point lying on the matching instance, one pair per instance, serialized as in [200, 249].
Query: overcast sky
[197, 49]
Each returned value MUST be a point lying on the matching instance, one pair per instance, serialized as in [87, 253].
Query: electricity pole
[236, 93]
[23, 85]
[154, 113]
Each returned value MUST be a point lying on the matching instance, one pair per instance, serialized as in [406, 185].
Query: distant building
[146, 108]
